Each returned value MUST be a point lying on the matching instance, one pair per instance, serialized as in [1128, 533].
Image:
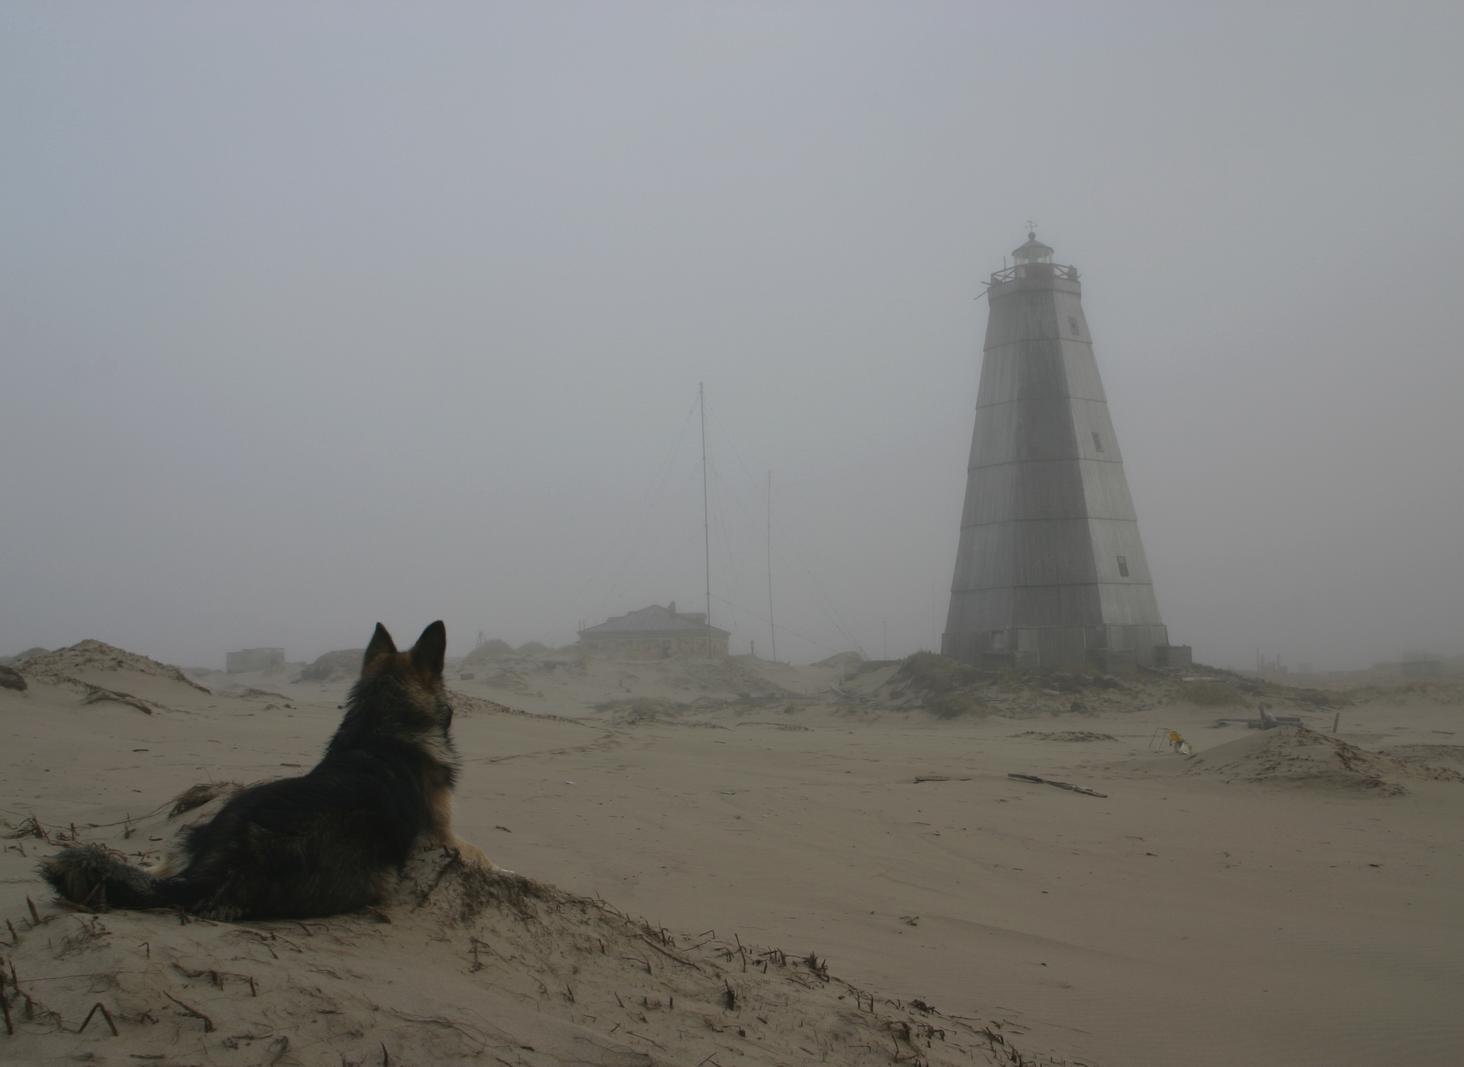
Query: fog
[314, 315]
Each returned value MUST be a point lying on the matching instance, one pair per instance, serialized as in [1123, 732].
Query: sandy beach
[673, 380]
[1282, 897]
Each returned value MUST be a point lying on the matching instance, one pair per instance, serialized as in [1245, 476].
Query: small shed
[655, 632]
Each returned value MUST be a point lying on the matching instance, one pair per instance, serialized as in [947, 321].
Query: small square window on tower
[1097, 442]
[1122, 567]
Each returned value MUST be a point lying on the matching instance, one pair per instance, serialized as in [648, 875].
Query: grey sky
[313, 315]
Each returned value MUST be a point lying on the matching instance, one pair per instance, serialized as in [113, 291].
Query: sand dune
[96, 661]
[1296, 755]
[1429, 755]
[461, 964]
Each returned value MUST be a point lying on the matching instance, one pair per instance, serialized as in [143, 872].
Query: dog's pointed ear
[381, 645]
[430, 650]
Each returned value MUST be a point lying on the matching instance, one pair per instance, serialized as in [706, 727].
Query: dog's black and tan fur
[326, 842]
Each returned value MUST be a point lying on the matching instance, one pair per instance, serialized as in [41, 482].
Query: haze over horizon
[317, 315]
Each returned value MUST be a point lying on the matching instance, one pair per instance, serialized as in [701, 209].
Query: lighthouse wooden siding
[1050, 570]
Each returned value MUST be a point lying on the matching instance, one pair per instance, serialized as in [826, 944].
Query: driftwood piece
[95, 694]
[1061, 785]
[208, 1024]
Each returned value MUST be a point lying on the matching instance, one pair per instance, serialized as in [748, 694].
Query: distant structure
[1421, 666]
[1270, 666]
[1050, 572]
[655, 632]
[254, 659]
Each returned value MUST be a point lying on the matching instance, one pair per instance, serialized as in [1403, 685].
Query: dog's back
[322, 843]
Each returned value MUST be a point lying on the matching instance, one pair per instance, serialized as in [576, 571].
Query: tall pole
[701, 397]
[772, 629]
[934, 621]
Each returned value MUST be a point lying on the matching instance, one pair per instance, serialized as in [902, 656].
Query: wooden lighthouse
[1050, 571]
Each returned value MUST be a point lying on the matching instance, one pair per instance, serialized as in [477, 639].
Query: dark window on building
[1122, 567]
[1073, 325]
[1097, 442]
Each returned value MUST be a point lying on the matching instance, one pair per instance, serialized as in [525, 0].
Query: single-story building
[655, 632]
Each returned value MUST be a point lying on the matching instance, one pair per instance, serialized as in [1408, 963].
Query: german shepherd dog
[323, 843]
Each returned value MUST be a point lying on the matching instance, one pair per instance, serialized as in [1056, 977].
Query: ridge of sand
[1297, 755]
[1439, 756]
[90, 658]
[490, 651]
[343, 663]
[104, 674]
[462, 964]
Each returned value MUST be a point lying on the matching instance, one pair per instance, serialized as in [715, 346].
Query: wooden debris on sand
[1061, 785]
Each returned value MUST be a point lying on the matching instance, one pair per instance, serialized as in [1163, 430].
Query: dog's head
[423, 661]
[401, 694]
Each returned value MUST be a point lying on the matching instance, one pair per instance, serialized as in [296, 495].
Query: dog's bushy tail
[96, 878]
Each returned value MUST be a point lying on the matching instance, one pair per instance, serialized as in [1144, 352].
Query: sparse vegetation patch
[1211, 694]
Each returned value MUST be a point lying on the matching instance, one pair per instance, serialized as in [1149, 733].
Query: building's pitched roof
[655, 619]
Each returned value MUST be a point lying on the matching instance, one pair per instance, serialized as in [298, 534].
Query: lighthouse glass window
[1122, 567]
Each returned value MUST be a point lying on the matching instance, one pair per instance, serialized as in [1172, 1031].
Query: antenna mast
[701, 397]
[772, 629]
